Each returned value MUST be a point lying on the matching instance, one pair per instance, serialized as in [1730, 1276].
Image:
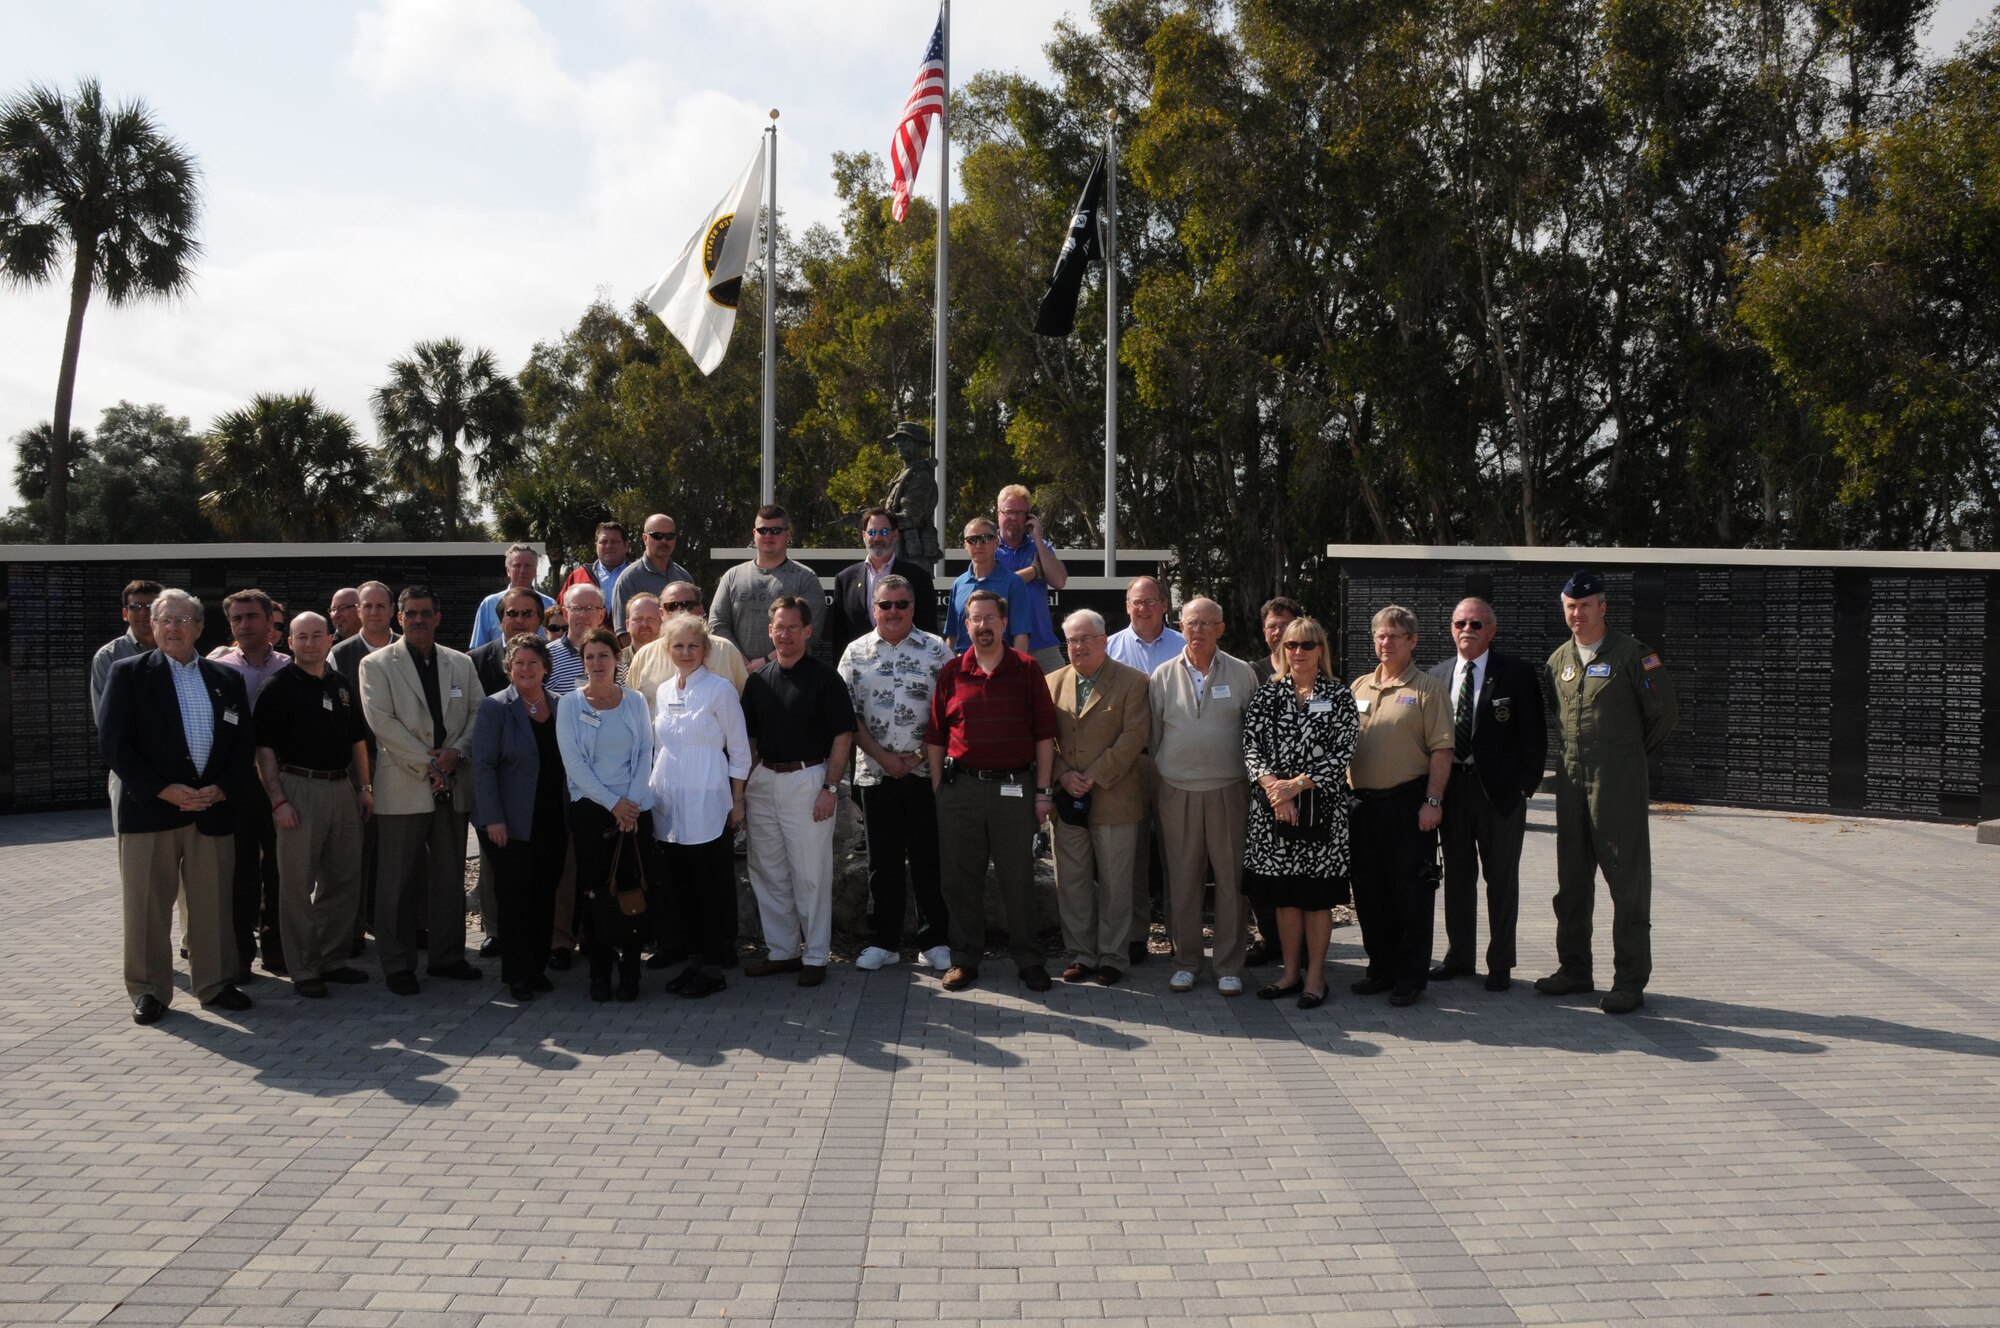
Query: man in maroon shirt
[991, 747]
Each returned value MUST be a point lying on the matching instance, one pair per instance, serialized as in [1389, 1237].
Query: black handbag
[1315, 823]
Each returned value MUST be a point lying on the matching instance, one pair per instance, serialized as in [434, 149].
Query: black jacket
[1510, 737]
[490, 663]
[848, 618]
[143, 743]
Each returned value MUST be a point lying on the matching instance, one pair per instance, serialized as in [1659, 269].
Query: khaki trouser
[791, 862]
[1197, 830]
[152, 869]
[1093, 889]
[422, 885]
[319, 873]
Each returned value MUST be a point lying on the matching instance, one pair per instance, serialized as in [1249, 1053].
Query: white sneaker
[1182, 981]
[937, 957]
[875, 957]
[1229, 986]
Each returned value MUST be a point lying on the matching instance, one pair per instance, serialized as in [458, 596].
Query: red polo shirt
[991, 721]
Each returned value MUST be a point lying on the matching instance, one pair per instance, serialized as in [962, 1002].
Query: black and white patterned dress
[1287, 738]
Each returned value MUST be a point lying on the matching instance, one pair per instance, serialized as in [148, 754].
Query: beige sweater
[1199, 747]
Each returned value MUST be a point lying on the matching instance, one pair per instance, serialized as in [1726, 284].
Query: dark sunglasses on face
[676, 605]
[664, 536]
[523, 613]
[145, 608]
[772, 532]
[893, 603]
[1302, 645]
[980, 539]
[1468, 624]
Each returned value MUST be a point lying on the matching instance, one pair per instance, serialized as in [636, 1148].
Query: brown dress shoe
[772, 967]
[811, 975]
[959, 978]
[1077, 973]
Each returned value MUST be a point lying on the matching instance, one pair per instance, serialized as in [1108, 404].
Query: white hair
[1090, 618]
[194, 605]
[569, 596]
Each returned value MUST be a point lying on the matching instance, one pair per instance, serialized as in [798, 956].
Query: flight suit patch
[1651, 662]
[1597, 671]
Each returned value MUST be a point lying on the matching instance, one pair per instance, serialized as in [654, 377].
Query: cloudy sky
[378, 174]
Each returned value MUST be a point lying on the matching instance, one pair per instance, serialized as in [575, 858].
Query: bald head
[311, 639]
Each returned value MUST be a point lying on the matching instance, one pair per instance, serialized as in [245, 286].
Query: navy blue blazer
[143, 743]
[506, 763]
[847, 618]
[1510, 740]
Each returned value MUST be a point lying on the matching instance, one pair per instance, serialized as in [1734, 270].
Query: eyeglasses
[1144, 603]
[887, 605]
[523, 613]
[878, 534]
[175, 620]
[1200, 625]
[1074, 641]
[980, 539]
[146, 608]
[772, 532]
[1468, 624]
[663, 536]
[1302, 645]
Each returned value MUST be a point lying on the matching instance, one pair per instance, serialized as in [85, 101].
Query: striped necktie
[1461, 738]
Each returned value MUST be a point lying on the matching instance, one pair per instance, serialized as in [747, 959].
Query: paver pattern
[1801, 1128]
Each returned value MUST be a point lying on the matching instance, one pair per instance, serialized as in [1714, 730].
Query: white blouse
[699, 745]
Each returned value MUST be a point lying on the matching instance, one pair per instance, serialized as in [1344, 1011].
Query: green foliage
[437, 402]
[135, 482]
[105, 187]
[285, 468]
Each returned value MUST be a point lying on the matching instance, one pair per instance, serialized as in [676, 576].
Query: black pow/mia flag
[1083, 244]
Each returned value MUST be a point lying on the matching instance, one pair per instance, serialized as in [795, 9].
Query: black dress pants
[254, 888]
[901, 816]
[526, 873]
[700, 890]
[1395, 881]
[613, 934]
[1479, 835]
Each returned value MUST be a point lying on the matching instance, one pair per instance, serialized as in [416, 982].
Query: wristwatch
[1048, 792]
[829, 788]
[1433, 802]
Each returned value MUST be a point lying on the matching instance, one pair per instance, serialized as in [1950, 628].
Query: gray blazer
[505, 763]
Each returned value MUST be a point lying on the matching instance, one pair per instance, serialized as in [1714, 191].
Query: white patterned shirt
[891, 686]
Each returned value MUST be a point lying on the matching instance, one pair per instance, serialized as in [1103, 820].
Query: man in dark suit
[1500, 744]
[175, 729]
[520, 612]
[851, 615]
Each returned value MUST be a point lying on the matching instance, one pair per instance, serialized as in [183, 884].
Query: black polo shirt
[308, 721]
[795, 714]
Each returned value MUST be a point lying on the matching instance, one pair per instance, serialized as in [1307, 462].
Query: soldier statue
[912, 500]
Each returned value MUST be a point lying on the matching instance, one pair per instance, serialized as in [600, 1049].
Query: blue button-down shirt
[1033, 615]
[1002, 583]
[197, 710]
[1128, 649]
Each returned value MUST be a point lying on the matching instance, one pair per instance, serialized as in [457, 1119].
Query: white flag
[697, 297]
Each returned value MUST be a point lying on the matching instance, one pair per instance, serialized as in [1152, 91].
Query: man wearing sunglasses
[653, 571]
[136, 608]
[740, 611]
[1499, 746]
[986, 573]
[852, 613]
[522, 562]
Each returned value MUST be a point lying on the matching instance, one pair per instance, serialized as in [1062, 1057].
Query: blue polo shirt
[1002, 583]
[1041, 629]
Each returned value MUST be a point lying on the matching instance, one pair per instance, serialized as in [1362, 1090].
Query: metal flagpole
[938, 389]
[770, 478]
[1111, 342]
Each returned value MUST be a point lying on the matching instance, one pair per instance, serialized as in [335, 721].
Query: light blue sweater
[607, 754]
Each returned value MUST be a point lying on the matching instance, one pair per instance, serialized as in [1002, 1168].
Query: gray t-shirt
[639, 578]
[741, 606]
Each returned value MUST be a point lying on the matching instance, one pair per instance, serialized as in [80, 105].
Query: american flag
[925, 102]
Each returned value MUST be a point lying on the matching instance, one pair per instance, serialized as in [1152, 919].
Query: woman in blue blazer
[520, 804]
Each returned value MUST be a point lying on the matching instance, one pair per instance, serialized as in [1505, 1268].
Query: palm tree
[121, 198]
[434, 401]
[285, 468]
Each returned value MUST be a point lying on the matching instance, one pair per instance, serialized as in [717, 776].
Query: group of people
[291, 801]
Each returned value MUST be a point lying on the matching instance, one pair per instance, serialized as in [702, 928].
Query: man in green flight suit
[1614, 707]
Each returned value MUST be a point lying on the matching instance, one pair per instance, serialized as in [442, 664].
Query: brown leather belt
[307, 772]
[786, 767]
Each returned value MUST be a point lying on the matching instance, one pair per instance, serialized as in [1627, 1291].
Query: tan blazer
[1104, 740]
[392, 698]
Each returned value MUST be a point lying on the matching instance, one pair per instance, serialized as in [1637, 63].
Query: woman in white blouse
[701, 760]
[607, 749]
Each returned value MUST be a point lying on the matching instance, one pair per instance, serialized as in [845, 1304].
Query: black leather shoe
[559, 960]
[147, 1009]
[458, 972]
[1404, 996]
[1499, 980]
[347, 977]
[1446, 972]
[1560, 983]
[1312, 1000]
[229, 998]
[402, 984]
[521, 991]
[1370, 986]
[1277, 991]
[541, 984]
[1621, 1000]
[489, 948]
[1035, 978]
[311, 988]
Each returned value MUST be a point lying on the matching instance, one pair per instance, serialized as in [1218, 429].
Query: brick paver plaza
[1801, 1128]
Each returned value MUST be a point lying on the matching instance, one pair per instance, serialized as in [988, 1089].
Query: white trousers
[791, 862]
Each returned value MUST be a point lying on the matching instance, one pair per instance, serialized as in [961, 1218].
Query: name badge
[1408, 699]
[676, 703]
[1320, 707]
[588, 718]
[1597, 671]
[457, 692]
[1220, 693]
[1361, 704]
[229, 717]
[326, 703]
[1013, 791]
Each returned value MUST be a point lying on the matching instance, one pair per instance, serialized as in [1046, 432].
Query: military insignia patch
[1569, 673]
[1597, 671]
[1651, 662]
[1502, 712]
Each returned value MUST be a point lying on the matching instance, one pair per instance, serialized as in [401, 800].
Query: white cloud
[479, 48]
